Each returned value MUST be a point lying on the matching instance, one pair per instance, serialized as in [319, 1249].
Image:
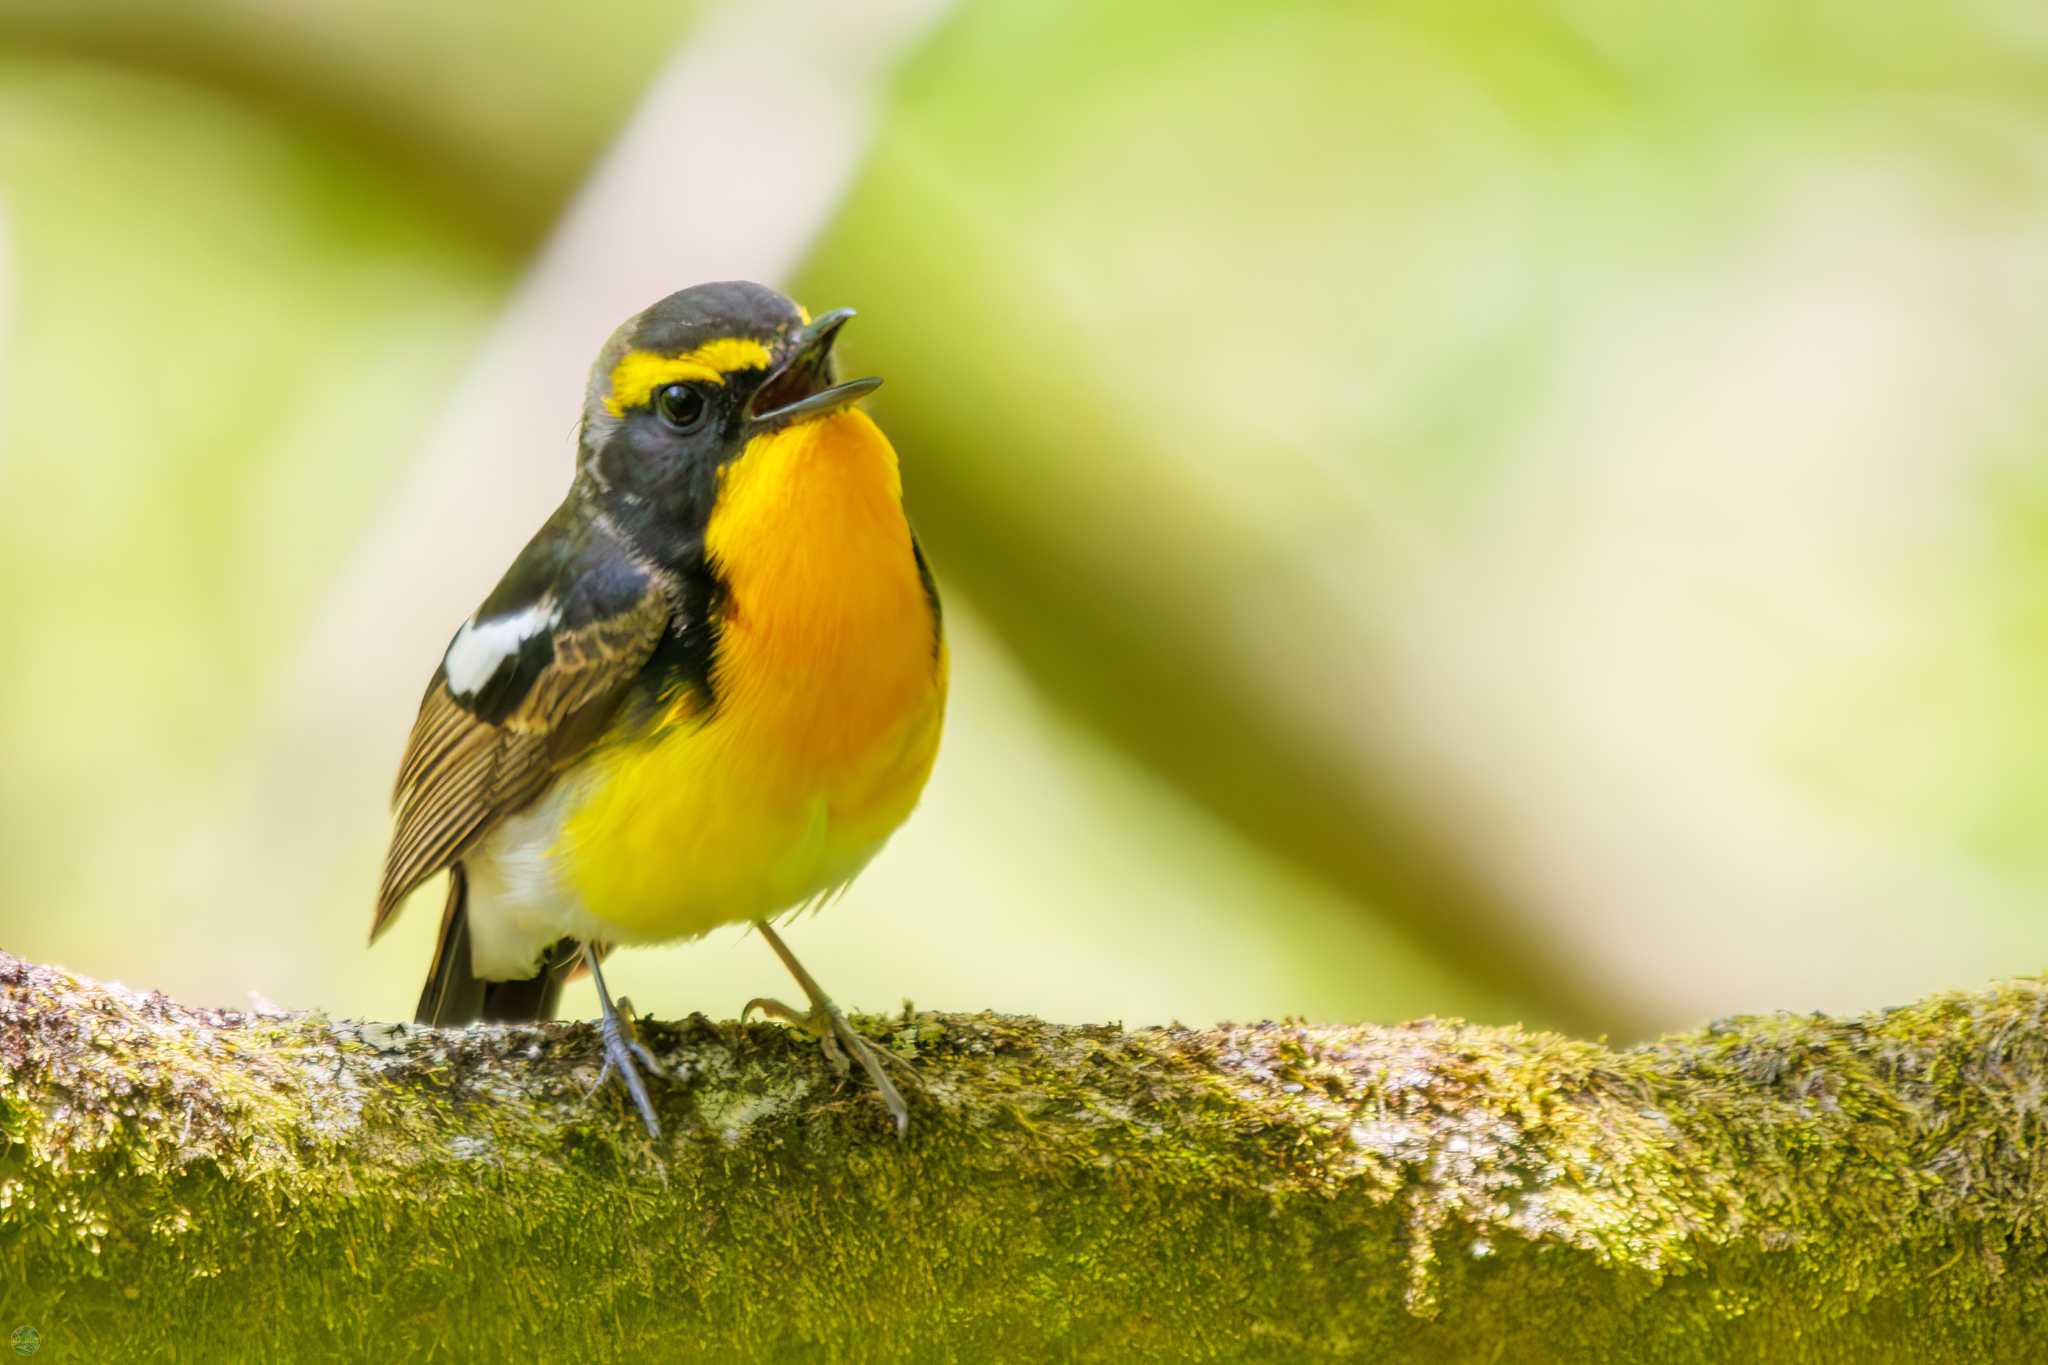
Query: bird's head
[685, 387]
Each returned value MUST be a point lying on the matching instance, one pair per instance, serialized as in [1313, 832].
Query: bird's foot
[836, 1038]
[621, 1046]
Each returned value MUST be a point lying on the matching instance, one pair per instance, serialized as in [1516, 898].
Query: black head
[682, 388]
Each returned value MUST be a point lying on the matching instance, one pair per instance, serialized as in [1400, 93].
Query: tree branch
[216, 1184]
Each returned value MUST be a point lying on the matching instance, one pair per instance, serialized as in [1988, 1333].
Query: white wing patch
[481, 647]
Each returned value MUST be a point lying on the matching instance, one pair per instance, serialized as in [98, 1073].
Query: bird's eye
[681, 406]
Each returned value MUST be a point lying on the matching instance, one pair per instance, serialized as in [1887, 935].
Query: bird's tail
[454, 996]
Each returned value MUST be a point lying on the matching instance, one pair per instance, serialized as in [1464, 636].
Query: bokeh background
[1526, 510]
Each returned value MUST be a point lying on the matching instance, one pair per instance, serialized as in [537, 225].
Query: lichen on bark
[184, 1183]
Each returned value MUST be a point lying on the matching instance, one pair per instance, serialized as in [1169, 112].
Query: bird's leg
[619, 1048]
[832, 1030]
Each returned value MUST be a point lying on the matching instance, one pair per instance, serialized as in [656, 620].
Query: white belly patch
[519, 905]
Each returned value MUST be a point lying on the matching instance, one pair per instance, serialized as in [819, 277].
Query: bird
[706, 693]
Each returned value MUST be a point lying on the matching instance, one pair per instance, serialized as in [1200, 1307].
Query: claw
[618, 1056]
[835, 1056]
[629, 1020]
[621, 1043]
[836, 1038]
[892, 1099]
[775, 1009]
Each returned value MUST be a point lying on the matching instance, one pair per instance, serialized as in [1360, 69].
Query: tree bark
[183, 1183]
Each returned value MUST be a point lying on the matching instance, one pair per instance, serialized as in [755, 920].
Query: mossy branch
[211, 1184]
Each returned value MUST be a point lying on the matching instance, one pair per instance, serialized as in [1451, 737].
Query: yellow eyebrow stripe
[639, 373]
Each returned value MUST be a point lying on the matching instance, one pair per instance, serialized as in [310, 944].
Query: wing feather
[466, 769]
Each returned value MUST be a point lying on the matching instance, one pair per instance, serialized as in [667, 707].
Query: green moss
[181, 1183]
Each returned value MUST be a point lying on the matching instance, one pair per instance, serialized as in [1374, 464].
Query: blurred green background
[1531, 511]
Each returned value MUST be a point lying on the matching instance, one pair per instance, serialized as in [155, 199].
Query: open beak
[802, 387]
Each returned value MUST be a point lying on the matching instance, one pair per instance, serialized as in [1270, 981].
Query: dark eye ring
[682, 406]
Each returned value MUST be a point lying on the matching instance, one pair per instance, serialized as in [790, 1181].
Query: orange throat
[828, 643]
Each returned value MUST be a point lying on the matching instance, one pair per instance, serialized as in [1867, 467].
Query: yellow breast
[830, 682]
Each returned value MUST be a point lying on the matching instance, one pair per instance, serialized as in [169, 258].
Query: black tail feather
[454, 996]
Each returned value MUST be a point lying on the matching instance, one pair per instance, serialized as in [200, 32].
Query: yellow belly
[680, 833]
[830, 685]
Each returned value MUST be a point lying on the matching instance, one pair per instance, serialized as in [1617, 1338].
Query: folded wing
[526, 685]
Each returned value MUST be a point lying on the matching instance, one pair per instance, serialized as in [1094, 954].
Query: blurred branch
[229, 1184]
[495, 123]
